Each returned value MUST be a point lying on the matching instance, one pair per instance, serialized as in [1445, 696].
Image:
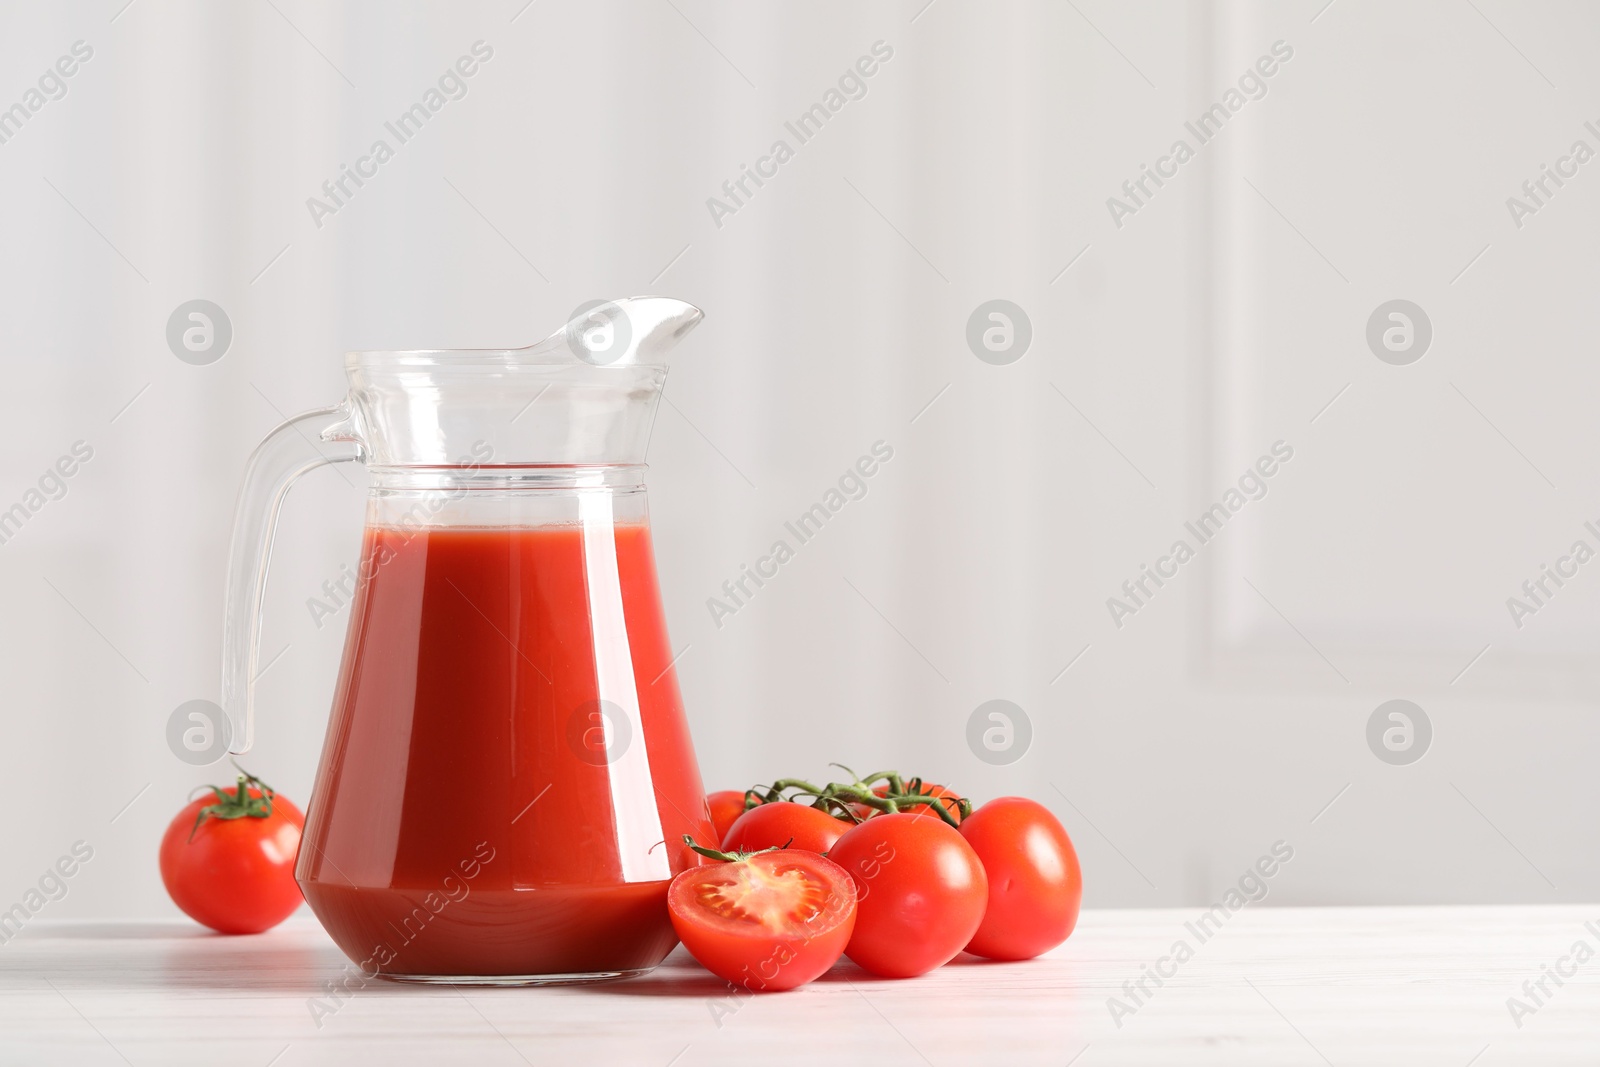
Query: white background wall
[1174, 350]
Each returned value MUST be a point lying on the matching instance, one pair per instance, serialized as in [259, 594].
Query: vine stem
[841, 798]
[737, 856]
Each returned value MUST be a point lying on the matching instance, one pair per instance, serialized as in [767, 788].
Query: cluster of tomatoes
[897, 874]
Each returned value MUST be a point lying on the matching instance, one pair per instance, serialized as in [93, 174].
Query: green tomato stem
[737, 856]
[238, 804]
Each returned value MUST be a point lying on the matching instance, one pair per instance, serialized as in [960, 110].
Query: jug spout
[584, 395]
[631, 331]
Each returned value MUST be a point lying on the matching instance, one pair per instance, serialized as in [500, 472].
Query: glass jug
[507, 775]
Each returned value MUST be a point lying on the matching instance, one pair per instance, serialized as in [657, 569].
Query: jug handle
[282, 457]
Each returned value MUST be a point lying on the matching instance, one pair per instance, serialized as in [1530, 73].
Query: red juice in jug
[508, 774]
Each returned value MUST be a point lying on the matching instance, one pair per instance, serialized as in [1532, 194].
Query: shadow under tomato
[846, 971]
[966, 959]
[700, 984]
[681, 976]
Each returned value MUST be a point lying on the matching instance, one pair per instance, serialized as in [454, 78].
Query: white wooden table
[1412, 986]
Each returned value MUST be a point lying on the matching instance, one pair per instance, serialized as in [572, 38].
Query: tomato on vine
[949, 799]
[1035, 884]
[921, 893]
[725, 805]
[784, 824]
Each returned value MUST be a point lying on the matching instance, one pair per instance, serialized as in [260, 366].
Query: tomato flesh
[1035, 884]
[772, 921]
[784, 824]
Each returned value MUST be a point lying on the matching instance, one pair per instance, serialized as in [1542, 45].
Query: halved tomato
[767, 921]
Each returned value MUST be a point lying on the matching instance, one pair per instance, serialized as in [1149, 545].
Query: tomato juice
[508, 773]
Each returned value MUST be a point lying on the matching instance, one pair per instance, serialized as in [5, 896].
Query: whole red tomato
[784, 824]
[920, 891]
[726, 805]
[768, 922]
[228, 859]
[1035, 884]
